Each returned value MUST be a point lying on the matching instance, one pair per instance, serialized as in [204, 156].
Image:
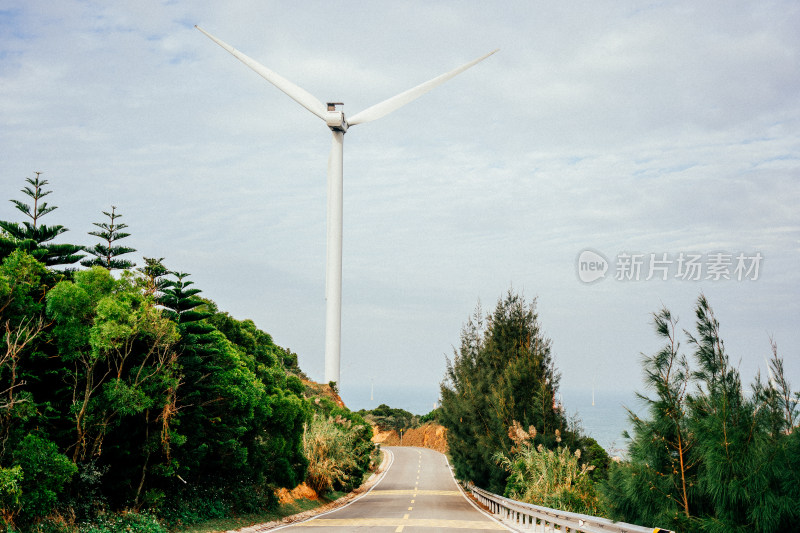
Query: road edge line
[464, 494]
[390, 458]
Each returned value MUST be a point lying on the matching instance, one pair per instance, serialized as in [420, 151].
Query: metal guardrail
[531, 517]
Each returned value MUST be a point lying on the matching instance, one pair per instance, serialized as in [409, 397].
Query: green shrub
[87, 499]
[45, 472]
[52, 524]
[10, 492]
[192, 506]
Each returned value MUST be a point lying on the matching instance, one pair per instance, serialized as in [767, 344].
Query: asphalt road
[417, 494]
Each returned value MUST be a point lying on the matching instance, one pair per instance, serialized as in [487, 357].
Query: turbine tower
[338, 125]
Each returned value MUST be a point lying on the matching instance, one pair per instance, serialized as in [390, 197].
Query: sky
[603, 135]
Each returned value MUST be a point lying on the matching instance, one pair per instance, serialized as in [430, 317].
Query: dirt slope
[430, 435]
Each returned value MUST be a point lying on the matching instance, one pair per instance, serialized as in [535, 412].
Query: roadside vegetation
[387, 418]
[339, 448]
[502, 375]
[708, 456]
[546, 477]
[130, 403]
[398, 427]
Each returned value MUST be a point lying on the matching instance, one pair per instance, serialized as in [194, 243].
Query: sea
[601, 414]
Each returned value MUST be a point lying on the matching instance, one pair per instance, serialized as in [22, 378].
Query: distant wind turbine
[338, 124]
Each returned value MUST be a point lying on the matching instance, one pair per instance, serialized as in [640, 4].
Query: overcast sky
[620, 127]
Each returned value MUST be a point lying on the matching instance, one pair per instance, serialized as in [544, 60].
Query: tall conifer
[502, 372]
[708, 457]
[34, 237]
[106, 253]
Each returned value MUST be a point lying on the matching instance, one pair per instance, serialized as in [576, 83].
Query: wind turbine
[338, 125]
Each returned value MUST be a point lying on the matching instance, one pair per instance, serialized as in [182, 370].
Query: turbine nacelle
[335, 119]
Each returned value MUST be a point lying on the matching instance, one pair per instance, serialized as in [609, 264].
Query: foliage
[45, 472]
[238, 396]
[550, 478]
[502, 372]
[106, 253]
[432, 416]
[153, 274]
[709, 457]
[35, 237]
[123, 373]
[338, 452]
[128, 522]
[139, 392]
[388, 418]
[10, 492]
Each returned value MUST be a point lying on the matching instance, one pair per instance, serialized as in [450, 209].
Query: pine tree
[181, 301]
[658, 485]
[106, 253]
[713, 458]
[236, 394]
[728, 431]
[154, 273]
[502, 373]
[34, 237]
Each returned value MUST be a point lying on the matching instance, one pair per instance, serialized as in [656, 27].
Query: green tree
[22, 282]
[35, 237]
[106, 253]
[133, 392]
[154, 273]
[659, 484]
[713, 458]
[237, 396]
[123, 375]
[387, 418]
[502, 372]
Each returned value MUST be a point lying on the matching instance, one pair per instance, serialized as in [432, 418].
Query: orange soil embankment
[318, 389]
[301, 491]
[428, 435]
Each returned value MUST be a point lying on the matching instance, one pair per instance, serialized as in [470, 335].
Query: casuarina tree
[502, 373]
[706, 456]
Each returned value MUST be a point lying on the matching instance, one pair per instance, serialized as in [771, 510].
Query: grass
[284, 510]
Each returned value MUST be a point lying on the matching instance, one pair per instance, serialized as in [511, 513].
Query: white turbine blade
[395, 102]
[301, 96]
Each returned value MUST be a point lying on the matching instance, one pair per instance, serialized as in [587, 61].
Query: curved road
[417, 494]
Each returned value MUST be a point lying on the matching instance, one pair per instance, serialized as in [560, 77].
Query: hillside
[429, 435]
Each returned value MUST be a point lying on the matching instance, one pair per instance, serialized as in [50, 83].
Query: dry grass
[550, 478]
